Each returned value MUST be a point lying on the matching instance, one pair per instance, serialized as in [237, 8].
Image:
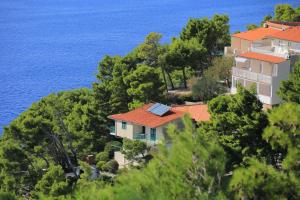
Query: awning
[239, 59]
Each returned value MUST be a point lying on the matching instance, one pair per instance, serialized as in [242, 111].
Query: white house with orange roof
[149, 123]
[285, 42]
[263, 71]
[258, 38]
[264, 57]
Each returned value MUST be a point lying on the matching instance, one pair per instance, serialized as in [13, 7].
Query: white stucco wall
[124, 133]
[282, 74]
[283, 70]
[120, 158]
[134, 129]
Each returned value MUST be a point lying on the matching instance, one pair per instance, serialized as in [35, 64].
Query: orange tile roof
[143, 117]
[256, 34]
[290, 34]
[263, 57]
[197, 112]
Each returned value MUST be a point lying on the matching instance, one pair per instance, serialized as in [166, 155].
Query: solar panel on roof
[159, 109]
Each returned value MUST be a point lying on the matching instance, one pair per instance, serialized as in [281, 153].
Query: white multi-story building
[264, 57]
[263, 71]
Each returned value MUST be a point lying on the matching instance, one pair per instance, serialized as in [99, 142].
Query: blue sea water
[52, 45]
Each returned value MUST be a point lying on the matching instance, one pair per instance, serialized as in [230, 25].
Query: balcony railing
[139, 136]
[295, 49]
[144, 137]
[269, 50]
[251, 75]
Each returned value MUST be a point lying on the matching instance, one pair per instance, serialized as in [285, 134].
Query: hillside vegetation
[241, 153]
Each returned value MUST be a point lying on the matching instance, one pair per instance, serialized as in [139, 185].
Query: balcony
[295, 49]
[279, 51]
[245, 74]
[144, 137]
[112, 130]
[139, 136]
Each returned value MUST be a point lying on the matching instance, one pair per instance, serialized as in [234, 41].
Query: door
[153, 134]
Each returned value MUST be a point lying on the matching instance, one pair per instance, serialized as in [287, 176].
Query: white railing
[295, 49]
[251, 75]
[265, 50]
[261, 45]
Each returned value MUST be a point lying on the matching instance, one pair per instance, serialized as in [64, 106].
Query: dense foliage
[243, 152]
[239, 121]
[206, 88]
[50, 136]
[193, 168]
[285, 12]
[228, 160]
[282, 12]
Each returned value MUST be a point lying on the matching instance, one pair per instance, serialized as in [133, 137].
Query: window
[153, 134]
[124, 125]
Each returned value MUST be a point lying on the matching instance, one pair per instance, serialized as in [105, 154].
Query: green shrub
[7, 196]
[100, 164]
[111, 166]
[53, 182]
[172, 98]
[207, 88]
[186, 97]
[102, 156]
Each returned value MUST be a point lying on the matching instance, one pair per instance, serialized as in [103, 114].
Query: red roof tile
[143, 117]
[256, 34]
[263, 57]
[197, 112]
[290, 34]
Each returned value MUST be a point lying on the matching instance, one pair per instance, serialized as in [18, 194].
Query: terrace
[246, 74]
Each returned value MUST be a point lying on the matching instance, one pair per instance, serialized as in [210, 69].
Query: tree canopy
[57, 130]
[285, 12]
[243, 152]
[212, 34]
[193, 168]
[145, 85]
[239, 121]
[207, 88]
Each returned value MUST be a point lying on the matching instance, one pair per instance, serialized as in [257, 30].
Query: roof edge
[147, 125]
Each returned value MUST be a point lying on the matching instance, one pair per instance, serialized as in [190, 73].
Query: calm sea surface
[52, 45]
